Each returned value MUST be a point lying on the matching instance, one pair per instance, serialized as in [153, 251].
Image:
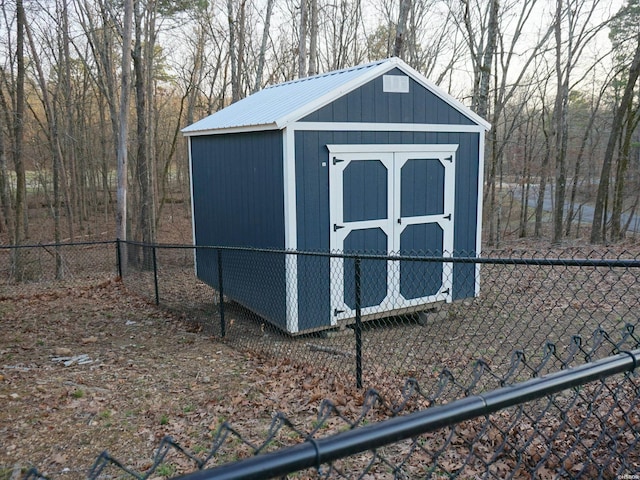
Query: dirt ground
[82, 371]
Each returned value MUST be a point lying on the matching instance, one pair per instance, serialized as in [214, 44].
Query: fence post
[221, 292]
[119, 258]
[155, 274]
[358, 326]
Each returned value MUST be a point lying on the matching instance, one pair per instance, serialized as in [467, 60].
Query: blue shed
[374, 159]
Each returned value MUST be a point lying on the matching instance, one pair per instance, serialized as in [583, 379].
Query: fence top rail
[315, 452]
[456, 257]
[53, 245]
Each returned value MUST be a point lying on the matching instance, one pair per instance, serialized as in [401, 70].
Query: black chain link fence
[580, 422]
[549, 311]
[42, 265]
[523, 303]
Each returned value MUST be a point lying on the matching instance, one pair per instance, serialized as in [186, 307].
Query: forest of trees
[93, 94]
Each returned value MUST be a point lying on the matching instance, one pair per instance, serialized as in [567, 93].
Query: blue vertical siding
[312, 198]
[238, 191]
[369, 103]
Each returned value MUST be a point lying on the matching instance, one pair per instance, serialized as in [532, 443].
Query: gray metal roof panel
[280, 104]
[268, 106]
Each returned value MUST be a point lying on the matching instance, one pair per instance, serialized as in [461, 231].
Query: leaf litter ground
[88, 369]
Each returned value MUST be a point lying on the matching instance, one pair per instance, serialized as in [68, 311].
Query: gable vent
[395, 84]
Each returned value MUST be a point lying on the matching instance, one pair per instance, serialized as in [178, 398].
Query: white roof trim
[220, 131]
[387, 127]
[370, 72]
[436, 90]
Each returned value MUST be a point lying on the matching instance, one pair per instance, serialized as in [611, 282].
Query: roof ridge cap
[333, 72]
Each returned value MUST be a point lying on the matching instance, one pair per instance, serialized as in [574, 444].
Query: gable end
[370, 103]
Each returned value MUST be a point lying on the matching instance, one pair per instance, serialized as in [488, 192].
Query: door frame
[393, 157]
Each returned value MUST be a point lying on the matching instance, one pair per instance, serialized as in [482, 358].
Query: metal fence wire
[580, 422]
[523, 303]
[536, 314]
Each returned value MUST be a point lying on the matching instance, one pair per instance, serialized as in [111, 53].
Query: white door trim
[393, 157]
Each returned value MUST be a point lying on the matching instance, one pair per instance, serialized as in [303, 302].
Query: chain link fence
[523, 303]
[33, 268]
[535, 315]
[582, 421]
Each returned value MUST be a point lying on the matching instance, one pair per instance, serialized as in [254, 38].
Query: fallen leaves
[149, 376]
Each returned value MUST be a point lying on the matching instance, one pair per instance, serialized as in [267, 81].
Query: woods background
[93, 94]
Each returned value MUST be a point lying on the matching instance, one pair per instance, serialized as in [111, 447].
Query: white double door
[390, 200]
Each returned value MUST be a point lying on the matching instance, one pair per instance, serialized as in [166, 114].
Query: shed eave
[239, 129]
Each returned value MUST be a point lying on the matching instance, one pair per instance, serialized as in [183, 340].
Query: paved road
[587, 210]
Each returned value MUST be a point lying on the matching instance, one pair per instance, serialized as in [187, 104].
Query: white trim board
[290, 229]
[384, 147]
[193, 212]
[387, 127]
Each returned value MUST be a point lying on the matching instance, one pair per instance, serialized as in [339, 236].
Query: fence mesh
[49, 264]
[589, 431]
[523, 303]
[549, 311]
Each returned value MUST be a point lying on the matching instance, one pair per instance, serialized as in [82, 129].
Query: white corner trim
[193, 212]
[480, 208]
[290, 228]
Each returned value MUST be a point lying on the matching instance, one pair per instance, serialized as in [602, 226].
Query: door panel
[420, 278]
[422, 187]
[373, 273]
[365, 191]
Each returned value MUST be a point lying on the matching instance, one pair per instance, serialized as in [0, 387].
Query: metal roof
[278, 105]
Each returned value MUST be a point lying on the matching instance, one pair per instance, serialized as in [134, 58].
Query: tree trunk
[313, 39]
[144, 224]
[5, 194]
[263, 46]
[617, 230]
[560, 126]
[302, 47]
[21, 226]
[597, 230]
[123, 131]
[401, 27]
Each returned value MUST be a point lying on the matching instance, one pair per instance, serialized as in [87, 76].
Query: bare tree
[123, 130]
[263, 44]
[621, 114]
[302, 47]
[401, 27]
[579, 21]
[21, 225]
[237, 29]
[313, 39]
[5, 193]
